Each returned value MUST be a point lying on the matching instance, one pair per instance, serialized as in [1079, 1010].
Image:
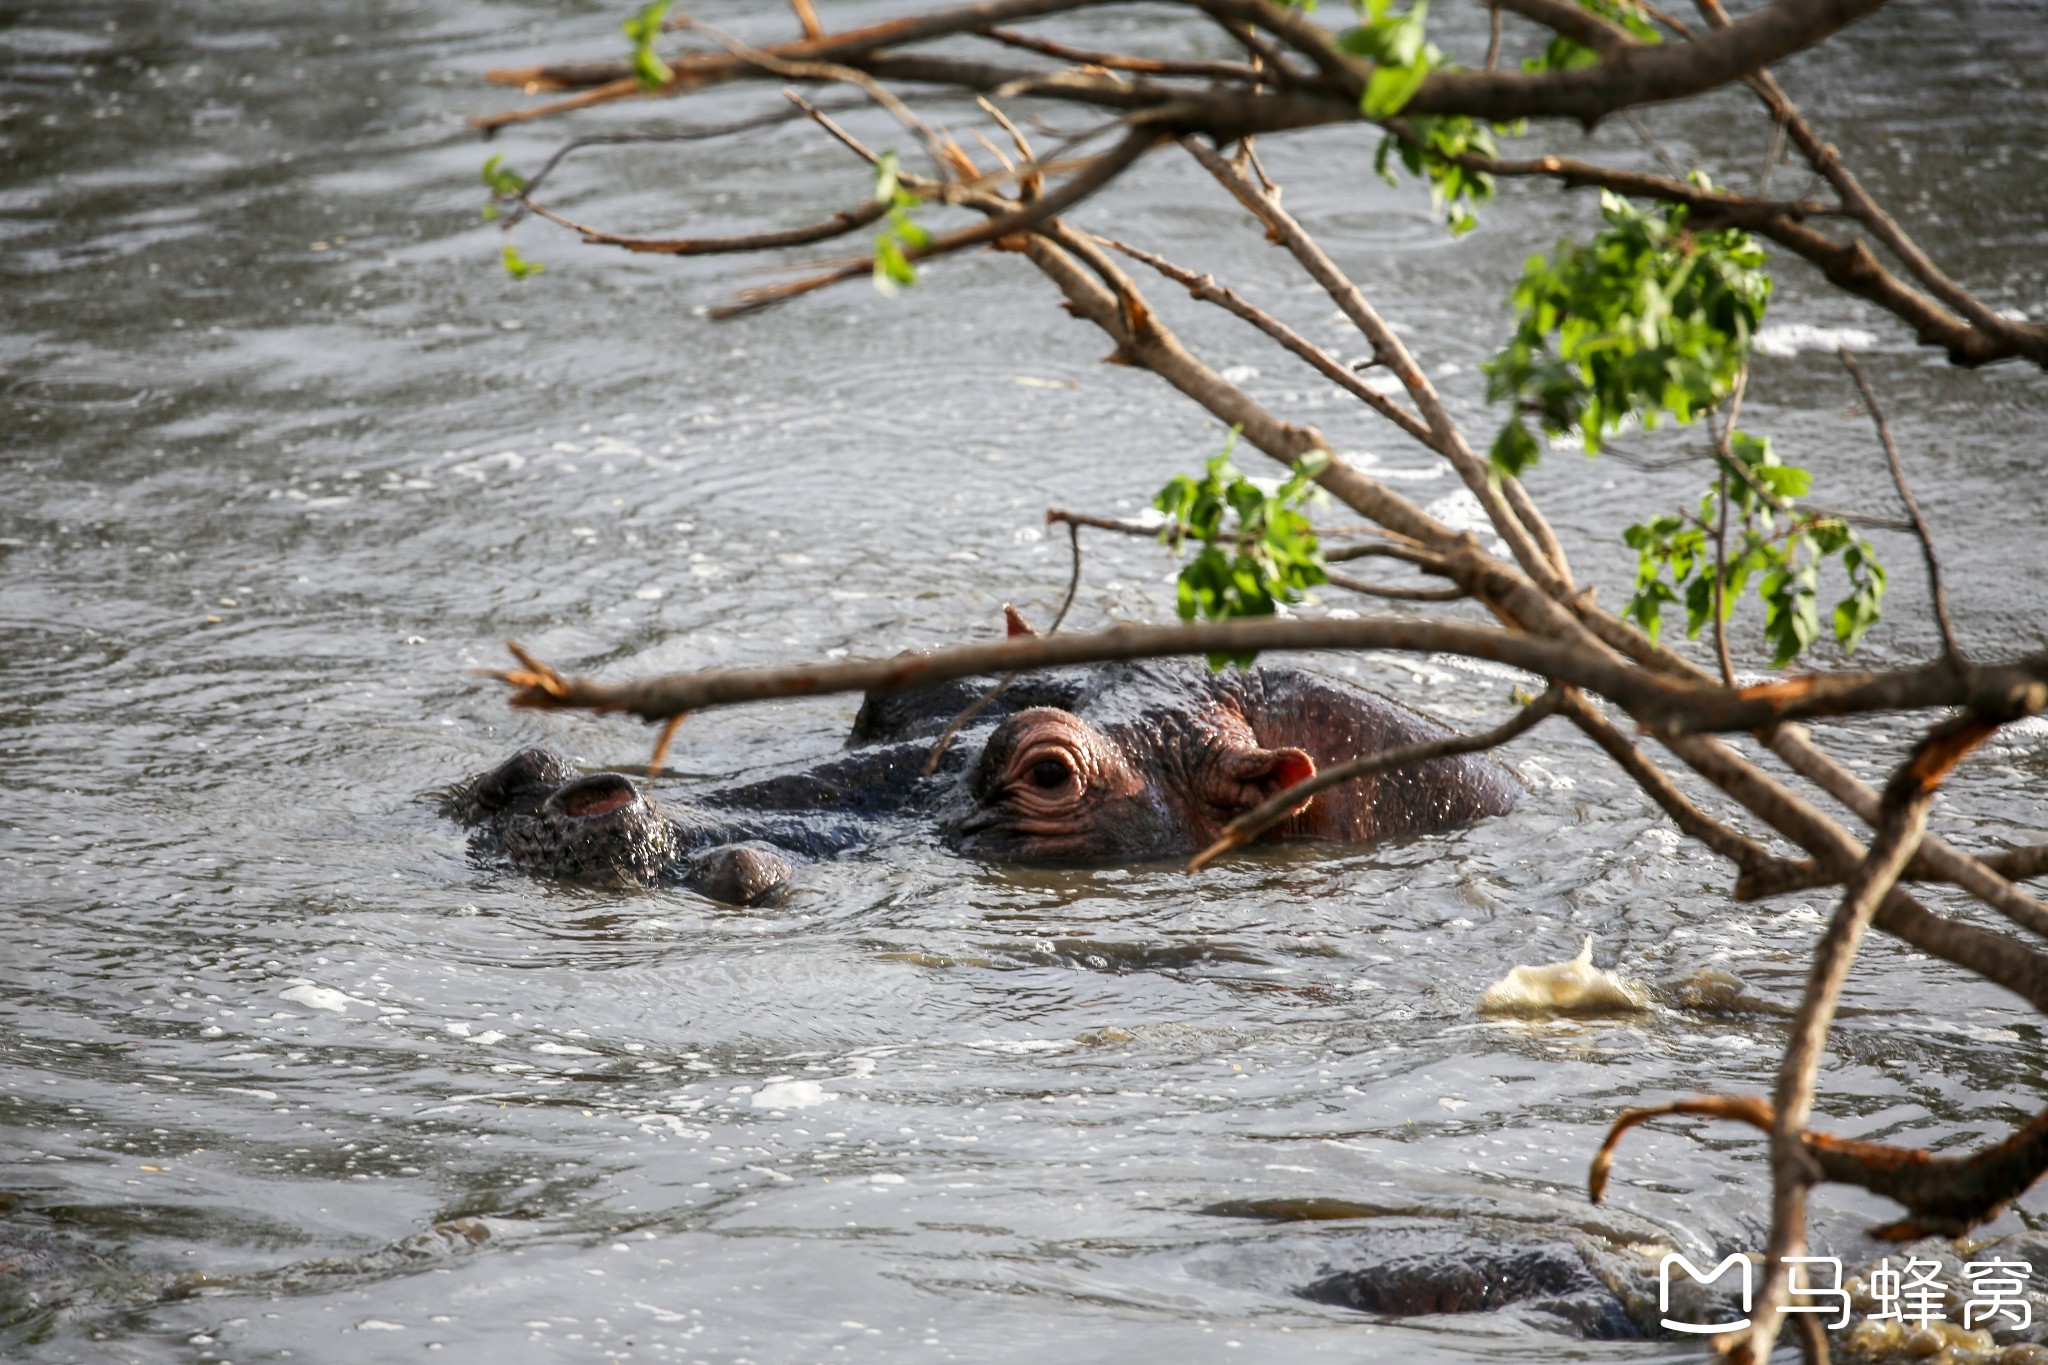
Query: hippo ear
[1246, 777]
[1014, 620]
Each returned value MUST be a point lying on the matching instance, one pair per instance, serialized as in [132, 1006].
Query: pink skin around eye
[1035, 790]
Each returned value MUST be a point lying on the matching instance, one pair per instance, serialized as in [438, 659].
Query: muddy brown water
[286, 455]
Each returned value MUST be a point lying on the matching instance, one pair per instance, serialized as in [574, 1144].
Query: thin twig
[931, 763]
[661, 743]
[1891, 453]
[1773, 150]
[1395, 592]
[1056, 516]
[1116, 61]
[838, 225]
[1493, 35]
[1093, 176]
[1988, 879]
[745, 125]
[1724, 447]
[1721, 582]
[1073, 579]
[1205, 288]
[935, 146]
[1388, 546]
[1028, 185]
[1272, 62]
[1650, 141]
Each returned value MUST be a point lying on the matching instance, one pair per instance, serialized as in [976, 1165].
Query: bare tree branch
[1205, 288]
[1394, 592]
[1946, 1196]
[1738, 848]
[1389, 351]
[1672, 710]
[2013, 337]
[1795, 746]
[1996, 957]
[1581, 26]
[1710, 207]
[1097, 173]
[1116, 61]
[1891, 455]
[1902, 819]
[838, 225]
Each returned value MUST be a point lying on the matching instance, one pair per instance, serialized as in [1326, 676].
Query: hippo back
[925, 712]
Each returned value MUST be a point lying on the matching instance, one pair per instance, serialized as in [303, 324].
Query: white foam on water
[1790, 338]
[791, 1095]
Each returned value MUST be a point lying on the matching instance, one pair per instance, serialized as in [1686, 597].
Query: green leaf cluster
[1402, 57]
[1562, 54]
[1771, 543]
[1257, 549]
[642, 29]
[1649, 319]
[1453, 189]
[893, 269]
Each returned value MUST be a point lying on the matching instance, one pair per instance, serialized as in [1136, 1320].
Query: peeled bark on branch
[1944, 1196]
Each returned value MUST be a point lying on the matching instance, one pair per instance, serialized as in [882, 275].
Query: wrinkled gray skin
[1147, 761]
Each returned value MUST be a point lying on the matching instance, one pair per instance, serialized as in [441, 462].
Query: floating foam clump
[1574, 987]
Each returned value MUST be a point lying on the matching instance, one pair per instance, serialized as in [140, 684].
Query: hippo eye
[1049, 774]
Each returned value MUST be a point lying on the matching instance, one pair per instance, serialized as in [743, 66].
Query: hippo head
[541, 813]
[1050, 787]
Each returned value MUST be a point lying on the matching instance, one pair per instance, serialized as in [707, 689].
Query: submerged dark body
[1116, 763]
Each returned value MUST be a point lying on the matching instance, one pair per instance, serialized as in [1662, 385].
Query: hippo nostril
[600, 794]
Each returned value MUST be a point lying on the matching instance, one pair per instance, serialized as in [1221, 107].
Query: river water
[287, 454]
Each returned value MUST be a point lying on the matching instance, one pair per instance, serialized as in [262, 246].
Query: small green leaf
[892, 269]
[1514, 450]
[1855, 614]
[1389, 89]
[643, 28]
[901, 234]
[517, 266]
[500, 178]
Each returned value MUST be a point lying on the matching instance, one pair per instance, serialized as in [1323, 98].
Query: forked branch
[1944, 1196]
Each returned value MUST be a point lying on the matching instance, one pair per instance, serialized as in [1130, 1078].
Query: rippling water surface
[287, 454]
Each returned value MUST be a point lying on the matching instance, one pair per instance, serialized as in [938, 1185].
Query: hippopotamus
[1116, 763]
